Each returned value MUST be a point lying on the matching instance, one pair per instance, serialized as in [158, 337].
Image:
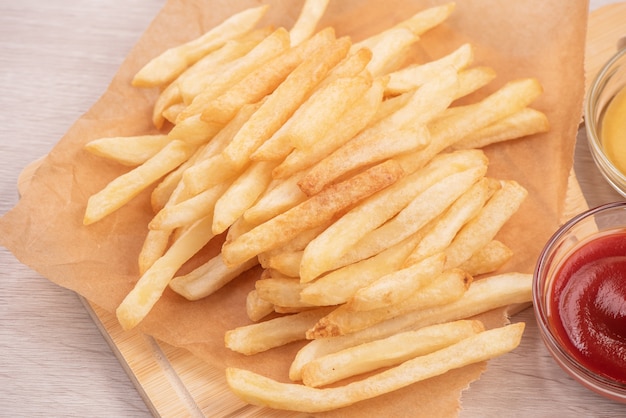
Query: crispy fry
[257, 308]
[262, 336]
[386, 352]
[122, 189]
[444, 289]
[482, 296]
[167, 66]
[131, 150]
[259, 390]
[488, 259]
[280, 196]
[287, 262]
[394, 287]
[283, 102]
[367, 233]
[311, 213]
[208, 278]
[304, 26]
[283, 292]
[147, 291]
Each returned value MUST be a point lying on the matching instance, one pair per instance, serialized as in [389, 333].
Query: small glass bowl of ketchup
[579, 298]
[605, 120]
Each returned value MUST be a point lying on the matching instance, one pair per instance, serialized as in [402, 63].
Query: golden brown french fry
[416, 75]
[310, 15]
[386, 352]
[488, 259]
[272, 46]
[472, 79]
[263, 80]
[388, 49]
[311, 213]
[257, 308]
[287, 262]
[154, 246]
[262, 336]
[212, 63]
[368, 236]
[148, 290]
[340, 285]
[352, 121]
[444, 289]
[460, 212]
[259, 390]
[241, 194]
[483, 295]
[527, 121]
[280, 196]
[283, 102]
[208, 278]
[282, 291]
[510, 98]
[426, 19]
[483, 228]
[167, 66]
[361, 153]
[129, 150]
[394, 287]
[122, 189]
[211, 168]
[311, 121]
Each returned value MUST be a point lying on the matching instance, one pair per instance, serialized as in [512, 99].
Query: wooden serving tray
[175, 383]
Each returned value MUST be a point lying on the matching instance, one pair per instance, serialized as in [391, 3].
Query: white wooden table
[56, 58]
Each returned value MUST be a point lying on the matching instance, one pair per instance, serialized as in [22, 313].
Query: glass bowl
[607, 83]
[555, 303]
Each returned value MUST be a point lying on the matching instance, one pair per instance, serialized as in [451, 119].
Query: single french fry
[284, 292]
[488, 259]
[167, 66]
[368, 236]
[386, 352]
[484, 227]
[482, 296]
[154, 246]
[122, 189]
[444, 289]
[308, 19]
[272, 46]
[148, 290]
[357, 154]
[311, 213]
[526, 122]
[241, 194]
[131, 150]
[340, 285]
[208, 278]
[472, 79]
[352, 121]
[262, 336]
[257, 308]
[388, 49]
[460, 212]
[280, 196]
[394, 287]
[283, 102]
[263, 80]
[259, 390]
[416, 75]
[426, 19]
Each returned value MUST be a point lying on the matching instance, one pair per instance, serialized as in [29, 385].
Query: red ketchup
[588, 304]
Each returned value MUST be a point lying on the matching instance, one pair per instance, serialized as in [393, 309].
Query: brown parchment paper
[539, 38]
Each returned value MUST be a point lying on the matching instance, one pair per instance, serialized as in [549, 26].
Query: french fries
[348, 175]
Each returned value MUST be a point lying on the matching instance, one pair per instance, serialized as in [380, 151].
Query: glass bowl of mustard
[579, 299]
[605, 120]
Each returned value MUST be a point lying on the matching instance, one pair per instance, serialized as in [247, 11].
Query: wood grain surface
[56, 58]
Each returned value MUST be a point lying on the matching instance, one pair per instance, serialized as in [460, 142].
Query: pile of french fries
[349, 174]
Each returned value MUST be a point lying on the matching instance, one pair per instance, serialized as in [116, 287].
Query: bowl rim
[591, 127]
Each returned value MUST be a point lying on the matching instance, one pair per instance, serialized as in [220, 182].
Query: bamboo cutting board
[174, 383]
